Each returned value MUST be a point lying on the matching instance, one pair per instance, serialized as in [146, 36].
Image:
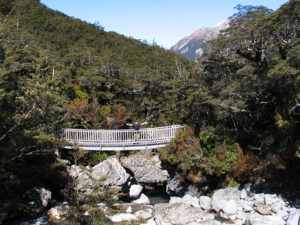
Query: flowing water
[157, 196]
[40, 221]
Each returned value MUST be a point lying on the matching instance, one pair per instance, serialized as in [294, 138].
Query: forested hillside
[249, 89]
[58, 72]
[241, 101]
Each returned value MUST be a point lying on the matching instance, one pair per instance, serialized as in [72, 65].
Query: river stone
[179, 214]
[112, 170]
[293, 218]
[270, 199]
[205, 203]
[38, 198]
[123, 217]
[135, 190]
[211, 222]
[230, 207]
[243, 194]
[247, 188]
[176, 187]
[282, 214]
[276, 207]
[142, 214]
[145, 170]
[193, 201]
[263, 209]
[230, 193]
[80, 178]
[53, 214]
[187, 199]
[149, 222]
[129, 209]
[257, 219]
[217, 206]
[174, 200]
[143, 200]
[259, 199]
[245, 206]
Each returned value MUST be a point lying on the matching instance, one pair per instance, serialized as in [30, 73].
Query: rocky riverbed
[233, 205]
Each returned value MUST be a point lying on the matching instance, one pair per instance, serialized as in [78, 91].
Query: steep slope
[191, 46]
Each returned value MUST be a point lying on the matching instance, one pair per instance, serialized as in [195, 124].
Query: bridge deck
[120, 140]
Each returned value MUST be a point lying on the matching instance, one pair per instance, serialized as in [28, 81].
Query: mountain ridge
[191, 46]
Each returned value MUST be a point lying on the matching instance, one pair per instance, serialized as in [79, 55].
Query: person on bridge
[136, 126]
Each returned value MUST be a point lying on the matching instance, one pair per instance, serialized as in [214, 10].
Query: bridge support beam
[125, 148]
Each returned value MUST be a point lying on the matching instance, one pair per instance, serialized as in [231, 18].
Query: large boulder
[80, 178]
[187, 199]
[143, 200]
[179, 214]
[205, 203]
[257, 219]
[230, 193]
[176, 187]
[135, 191]
[37, 198]
[110, 172]
[145, 170]
[123, 217]
[293, 218]
[142, 214]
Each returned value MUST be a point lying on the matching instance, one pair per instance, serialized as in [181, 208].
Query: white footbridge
[120, 140]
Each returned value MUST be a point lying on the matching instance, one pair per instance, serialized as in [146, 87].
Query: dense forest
[240, 102]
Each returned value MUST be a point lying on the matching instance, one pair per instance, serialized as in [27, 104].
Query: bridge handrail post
[100, 140]
[123, 137]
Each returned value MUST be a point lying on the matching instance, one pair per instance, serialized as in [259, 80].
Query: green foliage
[208, 143]
[97, 158]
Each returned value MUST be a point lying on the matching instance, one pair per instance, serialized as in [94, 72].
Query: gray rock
[217, 206]
[135, 190]
[247, 188]
[175, 186]
[112, 171]
[80, 178]
[244, 194]
[230, 193]
[179, 214]
[211, 222]
[259, 199]
[38, 198]
[123, 217]
[143, 200]
[276, 207]
[205, 203]
[257, 219]
[149, 222]
[174, 200]
[293, 218]
[187, 199]
[193, 201]
[263, 209]
[282, 214]
[229, 208]
[145, 170]
[270, 199]
[192, 191]
[129, 209]
[245, 206]
[142, 214]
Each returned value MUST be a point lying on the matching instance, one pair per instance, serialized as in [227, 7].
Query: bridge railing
[119, 138]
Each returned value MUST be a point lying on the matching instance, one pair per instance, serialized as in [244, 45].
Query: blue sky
[165, 21]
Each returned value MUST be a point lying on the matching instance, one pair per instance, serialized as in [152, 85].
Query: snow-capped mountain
[190, 46]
